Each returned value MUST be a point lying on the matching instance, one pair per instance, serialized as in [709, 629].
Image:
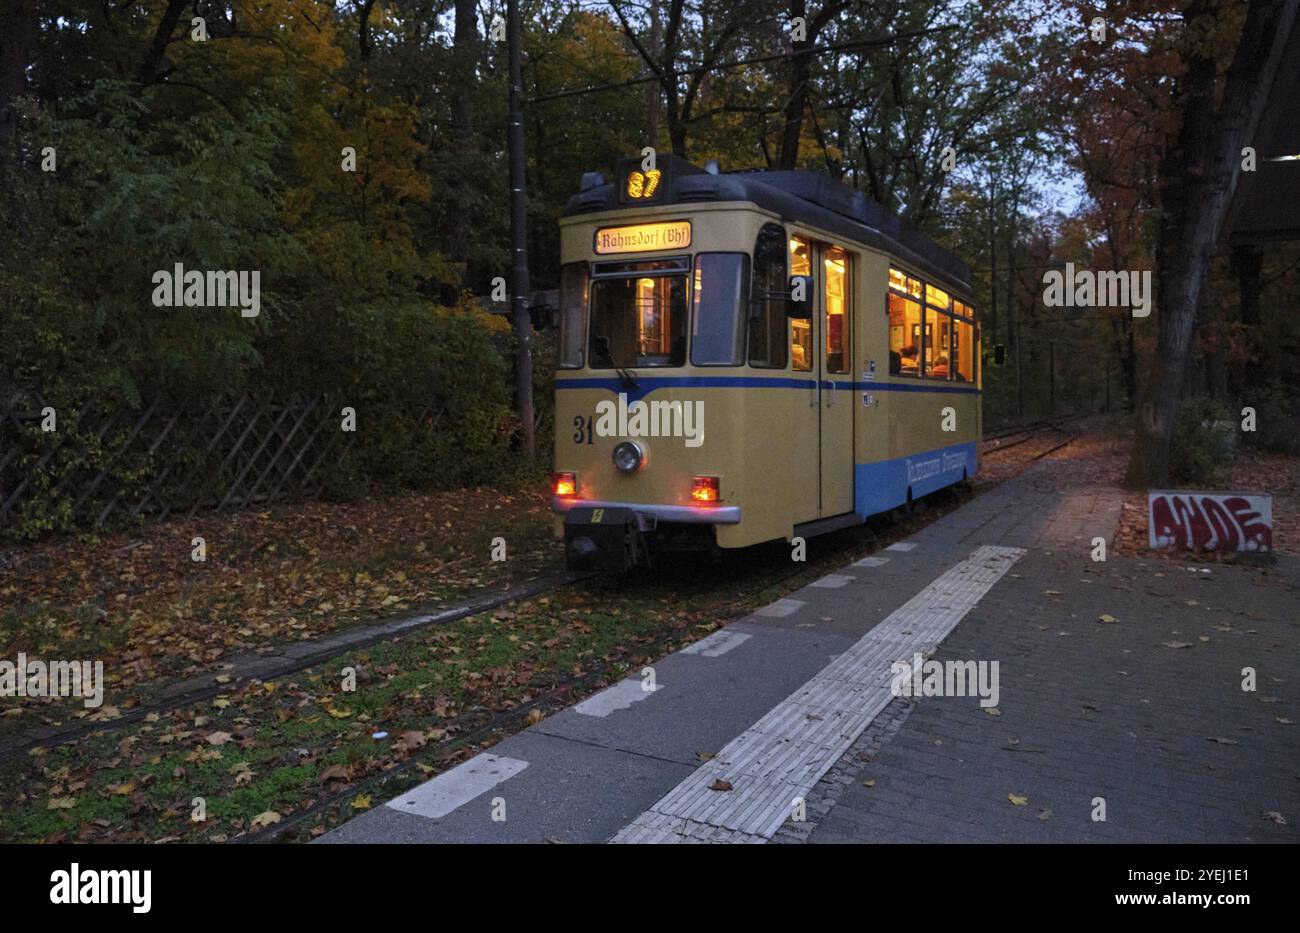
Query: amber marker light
[705, 489]
[564, 484]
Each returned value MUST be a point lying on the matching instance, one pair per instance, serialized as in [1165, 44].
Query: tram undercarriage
[620, 538]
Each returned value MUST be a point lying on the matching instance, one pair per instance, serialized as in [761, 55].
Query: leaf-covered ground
[142, 605]
[1276, 475]
[267, 751]
[302, 749]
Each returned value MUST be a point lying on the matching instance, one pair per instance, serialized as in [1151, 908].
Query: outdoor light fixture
[564, 484]
[705, 489]
[628, 457]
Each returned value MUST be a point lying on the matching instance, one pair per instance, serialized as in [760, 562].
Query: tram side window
[904, 336]
[964, 349]
[837, 310]
[573, 314]
[767, 318]
[937, 348]
[801, 342]
[720, 286]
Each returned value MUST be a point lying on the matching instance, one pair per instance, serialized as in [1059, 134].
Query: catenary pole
[519, 238]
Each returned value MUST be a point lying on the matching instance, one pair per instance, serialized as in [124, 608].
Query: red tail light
[705, 489]
[564, 484]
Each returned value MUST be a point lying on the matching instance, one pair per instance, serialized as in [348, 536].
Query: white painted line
[785, 753]
[832, 581]
[902, 546]
[717, 644]
[871, 562]
[781, 608]
[439, 796]
[620, 696]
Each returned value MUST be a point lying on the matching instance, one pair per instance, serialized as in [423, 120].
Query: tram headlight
[564, 484]
[628, 457]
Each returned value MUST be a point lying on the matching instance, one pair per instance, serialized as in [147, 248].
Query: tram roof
[800, 196]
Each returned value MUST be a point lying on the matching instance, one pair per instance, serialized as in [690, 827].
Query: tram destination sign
[643, 238]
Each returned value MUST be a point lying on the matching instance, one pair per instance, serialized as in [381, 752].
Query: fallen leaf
[720, 784]
[1276, 817]
[1107, 619]
[334, 773]
[361, 802]
[265, 819]
[218, 738]
[1177, 644]
[1018, 800]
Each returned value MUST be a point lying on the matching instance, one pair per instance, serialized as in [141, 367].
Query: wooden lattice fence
[101, 466]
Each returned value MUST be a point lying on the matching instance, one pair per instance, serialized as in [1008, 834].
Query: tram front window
[638, 322]
[721, 291]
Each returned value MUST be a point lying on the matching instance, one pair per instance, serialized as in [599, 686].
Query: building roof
[1264, 207]
[800, 196]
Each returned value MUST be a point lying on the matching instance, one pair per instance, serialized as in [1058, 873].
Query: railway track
[772, 571]
[13, 747]
[998, 442]
[331, 647]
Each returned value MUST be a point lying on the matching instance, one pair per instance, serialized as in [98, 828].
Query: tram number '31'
[582, 433]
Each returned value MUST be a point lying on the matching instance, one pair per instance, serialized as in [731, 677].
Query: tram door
[835, 359]
[822, 347]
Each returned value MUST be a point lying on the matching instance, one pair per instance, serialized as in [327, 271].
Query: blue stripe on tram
[647, 384]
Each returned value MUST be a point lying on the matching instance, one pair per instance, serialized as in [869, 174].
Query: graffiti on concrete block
[1210, 521]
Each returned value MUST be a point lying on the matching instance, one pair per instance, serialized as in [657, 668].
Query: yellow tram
[750, 356]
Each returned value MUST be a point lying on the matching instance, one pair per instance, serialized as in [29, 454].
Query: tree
[1199, 173]
[700, 35]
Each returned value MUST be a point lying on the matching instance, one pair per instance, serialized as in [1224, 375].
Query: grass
[140, 782]
[291, 745]
[152, 614]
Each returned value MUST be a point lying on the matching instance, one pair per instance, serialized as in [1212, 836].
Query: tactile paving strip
[780, 757]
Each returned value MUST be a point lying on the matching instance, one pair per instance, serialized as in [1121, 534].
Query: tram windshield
[638, 322]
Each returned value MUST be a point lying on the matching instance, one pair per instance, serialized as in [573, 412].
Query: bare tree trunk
[1201, 174]
[797, 98]
[464, 62]
[1248, 264]
[796, 103]
[364, 41]
[162, 37]
[17, 43]
[652, 90]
